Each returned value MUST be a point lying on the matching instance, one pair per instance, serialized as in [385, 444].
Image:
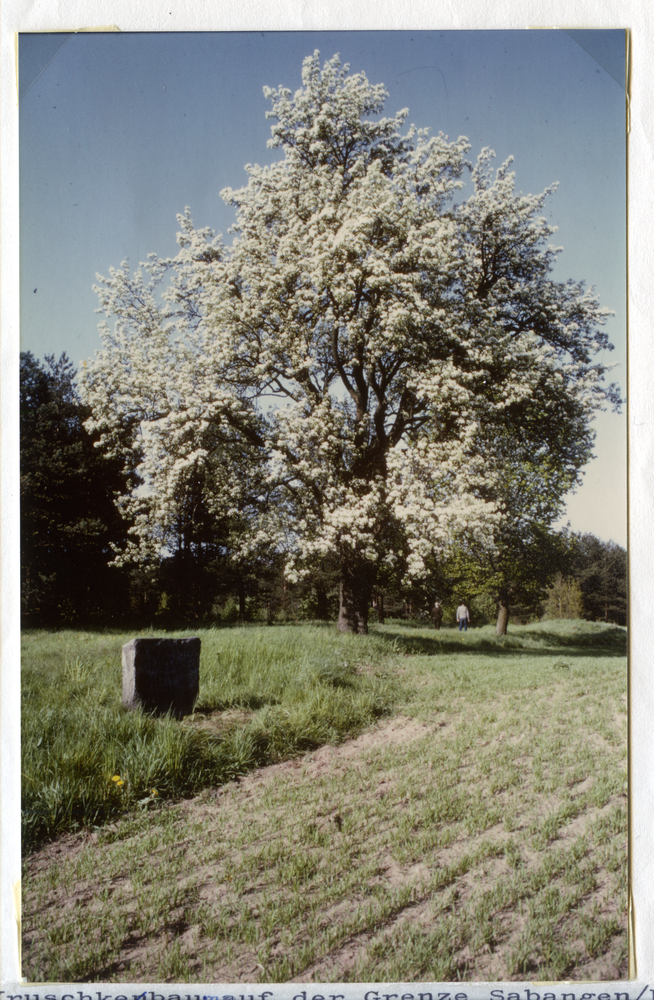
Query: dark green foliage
[69, 519]
[517, 573]
[533, 457]
[483, 609]
[601, 571]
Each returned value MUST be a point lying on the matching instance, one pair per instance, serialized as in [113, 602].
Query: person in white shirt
[462, 617]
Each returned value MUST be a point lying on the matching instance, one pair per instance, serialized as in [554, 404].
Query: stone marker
[161, 675]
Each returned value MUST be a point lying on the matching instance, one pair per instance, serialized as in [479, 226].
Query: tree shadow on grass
[248, 702]
[539, 642]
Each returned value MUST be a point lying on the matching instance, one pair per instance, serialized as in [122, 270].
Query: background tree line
[72, 527]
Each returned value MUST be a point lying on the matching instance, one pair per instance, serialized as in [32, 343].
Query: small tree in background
[512, 577]
[564, 599]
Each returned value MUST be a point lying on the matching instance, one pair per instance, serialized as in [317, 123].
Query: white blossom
[363, 334]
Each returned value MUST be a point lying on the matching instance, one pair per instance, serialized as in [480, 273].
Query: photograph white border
[300, 15]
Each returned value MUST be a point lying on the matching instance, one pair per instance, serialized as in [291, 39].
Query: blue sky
[120, 131]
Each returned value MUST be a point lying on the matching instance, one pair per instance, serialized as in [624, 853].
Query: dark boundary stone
[161, 675]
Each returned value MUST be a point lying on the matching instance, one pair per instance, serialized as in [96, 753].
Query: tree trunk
[356, 589]
[503, 615]
[380, 609]
[241, 600]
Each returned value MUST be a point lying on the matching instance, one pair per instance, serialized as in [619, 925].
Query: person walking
[437, 615]
[462, 616]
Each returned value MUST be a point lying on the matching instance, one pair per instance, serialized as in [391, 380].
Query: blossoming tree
[368, 327]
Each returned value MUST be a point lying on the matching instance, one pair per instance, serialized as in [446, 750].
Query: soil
[236, 800]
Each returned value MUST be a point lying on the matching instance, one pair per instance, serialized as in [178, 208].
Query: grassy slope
[297, 687]
[487, 840]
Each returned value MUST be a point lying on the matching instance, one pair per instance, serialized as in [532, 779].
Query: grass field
[410, 805]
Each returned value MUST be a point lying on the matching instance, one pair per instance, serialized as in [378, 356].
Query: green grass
[480, 833]
[299, 688]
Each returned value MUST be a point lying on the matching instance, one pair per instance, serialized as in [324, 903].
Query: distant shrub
[483, 610]
[564, 599]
